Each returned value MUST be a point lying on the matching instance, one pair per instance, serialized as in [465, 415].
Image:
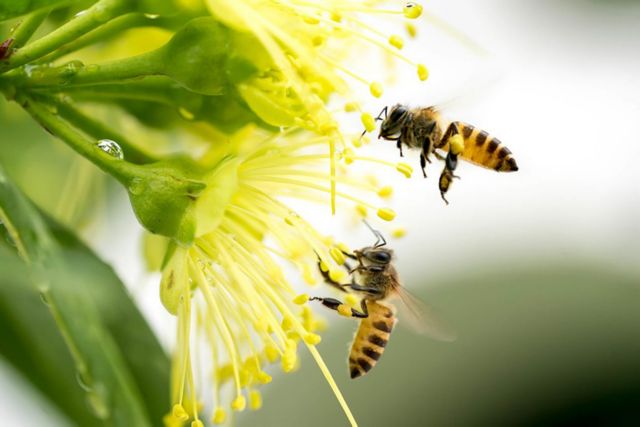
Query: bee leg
[399, 145]
[423, 164]
[327, 278]
[342, 308]
[373, 292]
[439, 156]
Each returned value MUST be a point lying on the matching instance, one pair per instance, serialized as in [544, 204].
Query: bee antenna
[384, 111]
[380, 238]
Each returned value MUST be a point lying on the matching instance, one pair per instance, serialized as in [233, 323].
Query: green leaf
[70, 327]
[13, 8]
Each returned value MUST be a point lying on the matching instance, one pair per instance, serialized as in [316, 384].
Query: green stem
[27, 27]
[122, 170]
[113, 27]
[97, 15]
[98, 130]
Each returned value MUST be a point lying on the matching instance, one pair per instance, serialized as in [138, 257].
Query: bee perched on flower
[209, 130]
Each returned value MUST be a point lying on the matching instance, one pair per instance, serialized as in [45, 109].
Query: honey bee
[376, 280]
[425, 129]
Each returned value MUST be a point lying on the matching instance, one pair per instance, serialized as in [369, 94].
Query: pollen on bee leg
[456, 144]
[344, 310]
[387, 214]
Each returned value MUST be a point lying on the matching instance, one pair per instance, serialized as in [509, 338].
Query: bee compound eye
[381, 257]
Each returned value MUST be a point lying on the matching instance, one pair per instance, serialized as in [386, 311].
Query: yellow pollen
[399, 232]
[255, 400]
[348, 155]
[404, 169]
[337, 256]
[219, 416]
[289, 359]
[337, 275]
[423, 72]
[312, 339]
[179, 412]
[344, 310]
[239, 403]
[344, 248]
[350, 107]
[264, 378]
[386, 214]
[287, 323]
[351, 300]
[376, 89]
[272, 353]
[385, 191]
[411, 29]
[336, 16]
[301, 299]
[323, 266]
[412, 10]
[456, 144]
[362, 210]
[356, 142]
[307, 275]
[396, 41]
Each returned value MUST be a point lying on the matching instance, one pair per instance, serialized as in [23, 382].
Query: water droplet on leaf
[111, 147]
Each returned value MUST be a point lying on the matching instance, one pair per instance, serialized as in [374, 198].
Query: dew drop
[137, 186]
[44, 298]
[79, 14]
[111, 148]
[98, 405]
[151, 15]
[84, 380]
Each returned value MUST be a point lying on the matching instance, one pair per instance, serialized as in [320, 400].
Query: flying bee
[425, 129]
[376, 280]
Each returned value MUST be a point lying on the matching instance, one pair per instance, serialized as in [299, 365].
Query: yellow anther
[343, 247]
[396, 41]
[412, 10]
[336, 16]
[307, 275]
[197, 423]
[324, 266]
[312, 20]
[404, 169]
[337, 256]
[289, 359]
[239, 403]
[271, 352]
[350, 107]
[362, 210]
[356, 142]
[293, 336]
[351, 300]
[337, 275]
[312, 339]
[423, 72]
[368, 121]
[301, 299]
[365, 139]
[287, 323]
[264, 378]
[456, 144]
[255, 400]
[348, 155]
[411, 29]
[345, 310]
[245, 377]
[179, 412]
[385, 191]
[289, 219]
[376, 89]
[398, 232]
[219, 416]
[386, 213]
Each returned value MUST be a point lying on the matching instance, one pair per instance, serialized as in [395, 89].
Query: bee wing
[422, 318]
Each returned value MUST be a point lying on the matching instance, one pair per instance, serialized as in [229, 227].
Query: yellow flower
[229, 286]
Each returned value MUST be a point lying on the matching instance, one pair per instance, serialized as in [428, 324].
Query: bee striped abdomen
[371, 338]
[485, 150]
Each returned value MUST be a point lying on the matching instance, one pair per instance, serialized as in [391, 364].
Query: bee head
[375, 255]
[393, 122]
